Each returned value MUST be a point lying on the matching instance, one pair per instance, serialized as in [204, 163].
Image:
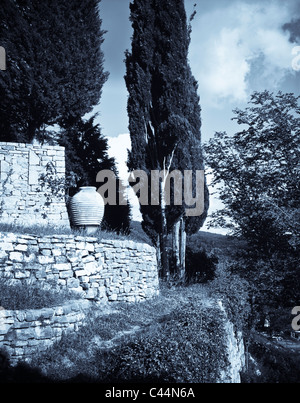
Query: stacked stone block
[106, 271]
[23, 333]
[24, 198]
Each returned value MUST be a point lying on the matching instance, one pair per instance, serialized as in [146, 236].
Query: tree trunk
[182, 249]
[179, 247]
[176, 245]
[163, 237]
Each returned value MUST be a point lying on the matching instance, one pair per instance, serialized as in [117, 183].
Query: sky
[237, 47]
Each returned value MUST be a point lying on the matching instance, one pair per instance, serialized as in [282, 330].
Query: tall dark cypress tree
[54, 64]
[161, 107]
[188, 156]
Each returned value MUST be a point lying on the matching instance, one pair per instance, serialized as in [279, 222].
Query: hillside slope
[183, 335]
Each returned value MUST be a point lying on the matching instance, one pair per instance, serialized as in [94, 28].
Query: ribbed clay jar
[87, 209]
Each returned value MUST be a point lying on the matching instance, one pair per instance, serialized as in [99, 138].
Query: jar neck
[88, 188]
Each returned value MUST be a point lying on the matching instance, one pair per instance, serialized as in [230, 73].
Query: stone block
[60, 164]
[33, 177]
[46, 252]
[7, 246]
[4, 169]
[51, 152]
[43, 332]
[3, 255]
[45, 259]
[66, 274]
[46, 313]
[59, 311]
[4, 328]
[130, 298]
[21, 325]
[16, 257]
[91, 267]
[90, 247]
[80, 244]
[88, 259]
[34, 159]
[62, 267]
[113, 297]
[61, 259]
[22, 274]
[91, 293]
[81, 273]
[56, 252]
[41, 274]
[61, 282]
[25, 334]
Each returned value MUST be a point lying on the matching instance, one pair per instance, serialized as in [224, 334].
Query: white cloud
[239, 46]
[118, 148]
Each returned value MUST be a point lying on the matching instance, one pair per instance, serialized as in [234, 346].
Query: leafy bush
[233, 291]
[276, 365]
[200, 266]
[186, 346]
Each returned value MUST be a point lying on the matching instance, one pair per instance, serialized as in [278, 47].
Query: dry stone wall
[24, 333]
[106, 271]
[100, 272]
[25, 197]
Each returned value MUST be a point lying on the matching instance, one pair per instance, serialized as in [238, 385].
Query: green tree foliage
[257, 173]
[258, 169]
[162, 106]
[54, 64]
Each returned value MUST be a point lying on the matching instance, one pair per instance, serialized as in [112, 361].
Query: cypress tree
[54, 65]
[162, 107]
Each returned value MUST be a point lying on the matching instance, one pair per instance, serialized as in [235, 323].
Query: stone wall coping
[43, 313]
[32, 146]
[116, 243]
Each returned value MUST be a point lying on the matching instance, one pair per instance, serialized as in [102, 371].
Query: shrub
[186, 346]
[276, 365]
[233, 291]
[200, 266]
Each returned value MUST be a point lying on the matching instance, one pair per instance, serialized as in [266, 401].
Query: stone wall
[235, 352]
[123, 271]
[23, 333]
[26, 199]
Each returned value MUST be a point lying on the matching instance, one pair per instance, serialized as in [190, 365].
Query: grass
[136, 232]
[31, 296]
